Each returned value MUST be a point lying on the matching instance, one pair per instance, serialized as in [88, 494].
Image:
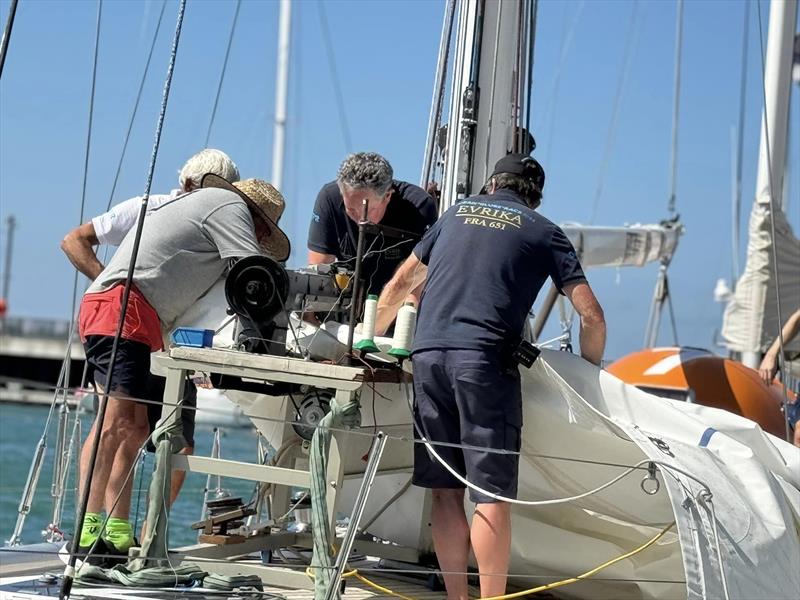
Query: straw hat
[265, 203]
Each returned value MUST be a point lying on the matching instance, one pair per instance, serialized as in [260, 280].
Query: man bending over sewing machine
[110, 228]
[186, 246]
[482, 265]
[333, 233]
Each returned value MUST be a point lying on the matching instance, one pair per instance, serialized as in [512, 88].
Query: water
[20, 431]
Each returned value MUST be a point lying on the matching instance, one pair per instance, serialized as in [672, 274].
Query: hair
[207, 161]
[526, 188]
[366, 170]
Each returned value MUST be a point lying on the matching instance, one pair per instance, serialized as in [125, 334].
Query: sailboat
[623, 494]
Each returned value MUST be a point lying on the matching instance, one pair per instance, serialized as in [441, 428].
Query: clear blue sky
[385, 55]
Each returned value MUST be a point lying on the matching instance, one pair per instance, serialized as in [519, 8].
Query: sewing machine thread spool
[404, 331]
[367, 343]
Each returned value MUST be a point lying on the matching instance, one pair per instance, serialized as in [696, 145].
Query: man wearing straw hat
[187, 245]
[109, 229]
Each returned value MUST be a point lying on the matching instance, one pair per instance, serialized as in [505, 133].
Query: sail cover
[630, 246]
[751, 319]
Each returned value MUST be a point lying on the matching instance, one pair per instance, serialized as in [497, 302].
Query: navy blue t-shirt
[333, 232]
[488, 256]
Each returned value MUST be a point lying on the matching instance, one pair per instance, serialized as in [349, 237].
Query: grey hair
[366, 170]
[207, 161]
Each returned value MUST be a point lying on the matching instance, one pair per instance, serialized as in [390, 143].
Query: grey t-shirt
[185, 248]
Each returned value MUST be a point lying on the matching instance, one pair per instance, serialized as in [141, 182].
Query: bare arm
[78, 246]
[318, 258]
[408, 279]
[593, 322]
[769, 365]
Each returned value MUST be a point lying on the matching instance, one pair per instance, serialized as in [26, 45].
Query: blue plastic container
[194, 338]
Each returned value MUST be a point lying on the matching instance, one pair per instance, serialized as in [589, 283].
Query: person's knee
[448, 498]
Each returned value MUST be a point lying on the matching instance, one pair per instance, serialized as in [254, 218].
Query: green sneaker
[91, 529]
[119, 534]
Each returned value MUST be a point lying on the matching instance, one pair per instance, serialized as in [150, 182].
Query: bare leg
[126, 428]
[451, 539]
[491, 542]
[117, 411]
[797, 433]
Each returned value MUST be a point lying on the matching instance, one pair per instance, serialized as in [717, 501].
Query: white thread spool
[404, 330]
[370, 310]
[368, 327]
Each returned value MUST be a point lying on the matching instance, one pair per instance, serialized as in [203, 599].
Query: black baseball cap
[523, 165]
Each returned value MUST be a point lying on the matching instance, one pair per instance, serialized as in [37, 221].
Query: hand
[768, 368]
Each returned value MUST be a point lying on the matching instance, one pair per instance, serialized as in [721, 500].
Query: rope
[589, 573]
[224, 69]
[70, 569]
[12, 11]
[347, 415]
[676, 111]
[136, 106]
[337, 88]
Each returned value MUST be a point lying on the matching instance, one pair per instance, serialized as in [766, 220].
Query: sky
[384, 57]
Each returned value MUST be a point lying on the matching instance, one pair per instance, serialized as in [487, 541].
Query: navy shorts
[473, 398]
[132, 377]
[131, 365]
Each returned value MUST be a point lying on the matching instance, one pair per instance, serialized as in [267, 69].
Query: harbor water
[20, 430]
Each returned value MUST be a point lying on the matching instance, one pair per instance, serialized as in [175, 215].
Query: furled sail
[631, 246]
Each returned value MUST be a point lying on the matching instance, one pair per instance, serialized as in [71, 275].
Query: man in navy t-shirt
[333, 233]
[480, 268]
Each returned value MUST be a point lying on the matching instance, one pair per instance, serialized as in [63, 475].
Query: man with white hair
[111, 227]
[333, 233]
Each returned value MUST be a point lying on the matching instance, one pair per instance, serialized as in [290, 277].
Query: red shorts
[99, 315]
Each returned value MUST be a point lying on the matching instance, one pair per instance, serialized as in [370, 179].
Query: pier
[31, 353]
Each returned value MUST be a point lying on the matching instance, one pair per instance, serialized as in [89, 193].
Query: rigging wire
[631, 42]
[737, 186]
[676, 111]
[70, 569]
[12, 12]
[781, 357]
[136, 106]
[437, 103]
[566, 43]
[337, 88]
[224, 69]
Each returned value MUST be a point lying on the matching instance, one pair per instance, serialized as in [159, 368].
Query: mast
[489, 94]
[751, 318]
[281, 90]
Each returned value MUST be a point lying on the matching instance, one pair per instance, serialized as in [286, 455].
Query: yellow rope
[556, 584]
[549, 586]
[372, 584]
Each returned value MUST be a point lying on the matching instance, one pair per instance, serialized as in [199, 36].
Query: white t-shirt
[111, 227]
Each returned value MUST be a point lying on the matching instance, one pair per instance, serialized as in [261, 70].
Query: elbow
[594, 318]
[68, 242]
